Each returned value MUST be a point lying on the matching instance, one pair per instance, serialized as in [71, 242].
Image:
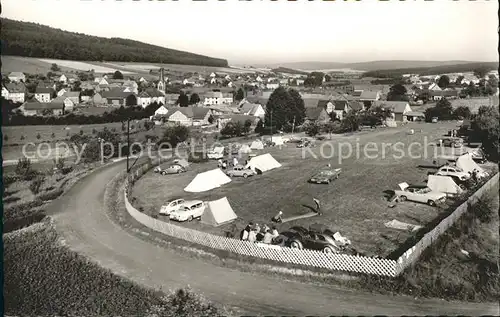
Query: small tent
[181, 162]
[218, 212]
[244, 149]
[467, 164]
[257, 145]
[217, 150]
[443, 184]
[263, 163]
[207, 181]
[277, 140]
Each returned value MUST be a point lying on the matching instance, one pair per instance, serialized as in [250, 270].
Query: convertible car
[421, 194]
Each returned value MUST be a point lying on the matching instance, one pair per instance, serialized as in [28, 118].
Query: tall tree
[183, 100]
[240, 94]
[397, 92]
[297, 107]
[194, 99]
[285, 106]
[485, 128]
[117, 75]
[443, 82]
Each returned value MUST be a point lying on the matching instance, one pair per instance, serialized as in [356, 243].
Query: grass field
[43, 277]
[355, 204]
[28, 65]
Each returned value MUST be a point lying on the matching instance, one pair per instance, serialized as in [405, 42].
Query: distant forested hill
[35, 40]
[459, 68]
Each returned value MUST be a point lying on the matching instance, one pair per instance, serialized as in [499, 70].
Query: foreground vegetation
[445, 271]
[43, 277]
[35, 40]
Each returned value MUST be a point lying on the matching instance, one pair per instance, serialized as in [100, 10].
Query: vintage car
[305, 143]
[188, 211]
[453, 142]
[216, 153]
[240, 171]
[173, 169]
[301, 239]
[325, 176]
[171, 206]
[421, 194]
[478, 156]
[454, 171]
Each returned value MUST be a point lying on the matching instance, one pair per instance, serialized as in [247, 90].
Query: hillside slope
[35, 40]
[369, 66]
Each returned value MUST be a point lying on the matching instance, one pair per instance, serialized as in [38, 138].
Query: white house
[103, 81]
[434, 87]
[61, 92]
[217, 98]
[213, 75]
[400, 109]
[43, 94]
[190, 116]
[14, 91]
[150, 96]
[69, 105]
[251, 109]
[228, 78]
[63, 79]
[143, 80]
[258, 79]
[272, 85]
[162, 111]
[17, 77]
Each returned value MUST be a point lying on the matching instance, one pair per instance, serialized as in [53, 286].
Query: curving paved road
[81, 219]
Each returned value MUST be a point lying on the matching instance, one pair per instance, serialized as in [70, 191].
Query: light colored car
[421, 194]
[453, 142]
[454, 172]
[171, 206]
[173, 169]
[188, 211]
[240, 171]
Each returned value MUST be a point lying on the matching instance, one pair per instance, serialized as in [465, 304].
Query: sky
[246, 32]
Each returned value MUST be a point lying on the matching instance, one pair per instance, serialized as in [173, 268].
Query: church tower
[161, 83]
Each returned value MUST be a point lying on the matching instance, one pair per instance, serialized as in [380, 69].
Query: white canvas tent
[257, 145]
[264, 163]
[443, 184]
[181, 162]
[467, 164]
[217, 150]
[218, 212]
[277, 140]
[245, 149]
[207, 181]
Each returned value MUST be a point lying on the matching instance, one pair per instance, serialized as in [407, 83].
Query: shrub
[312, 129]
[6, 138]
[10, 179]
[22, 137]
[197, 157]
[49, 188]
[53, 135]
[50, 195]
[23, 166]
[36, 184]
[59, 163]
[81, 132]
[10, 199]
[38, 136]
[184, 303]
[18, 210]
[67, 170]
[30, 175]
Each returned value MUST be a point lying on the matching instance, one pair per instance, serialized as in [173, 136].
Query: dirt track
[81, 219]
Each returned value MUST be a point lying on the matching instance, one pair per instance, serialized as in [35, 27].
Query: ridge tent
[443, 184]
[257, 145]
[264, 163]
[218, 149]
[467, 164]
[245, 149]
[218, 212]
[207, 181]
[277, 140]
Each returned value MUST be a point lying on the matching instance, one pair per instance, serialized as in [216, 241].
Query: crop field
[28, 65]
[355, 205]
[82, 66]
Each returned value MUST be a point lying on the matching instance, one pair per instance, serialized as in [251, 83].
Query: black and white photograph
[250, 158]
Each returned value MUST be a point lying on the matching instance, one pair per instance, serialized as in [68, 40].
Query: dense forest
[459, 68]
[35, 40]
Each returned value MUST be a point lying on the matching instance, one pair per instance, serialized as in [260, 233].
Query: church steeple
[161, 83]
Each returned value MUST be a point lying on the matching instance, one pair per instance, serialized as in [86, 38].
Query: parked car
[188, 211]
[434, 119]
[173, 169]
[171, 206]
[308, 240]
[240, 171]
[453, 142]
[216, 153]
[305, 143]
[325, 176]
[454, 171]
[478, 156]
[421, 194]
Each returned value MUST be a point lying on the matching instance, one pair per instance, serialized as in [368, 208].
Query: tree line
[36, 40]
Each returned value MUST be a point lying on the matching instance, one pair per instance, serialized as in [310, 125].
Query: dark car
[308, 240]
[325, 176]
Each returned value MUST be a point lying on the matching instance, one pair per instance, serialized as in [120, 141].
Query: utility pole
[293, 125]
[271, 126]
[128, 143]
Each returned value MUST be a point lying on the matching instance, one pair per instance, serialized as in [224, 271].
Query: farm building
[252, 109]
[189, 116]
[117, 97]
[17, 77]
[400, 109]
[317, 115]
[42, 108]
[43, 94]
[150, 96]
[14, 91]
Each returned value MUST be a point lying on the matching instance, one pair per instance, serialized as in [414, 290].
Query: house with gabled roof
[150, 96]
[317, 115]
[189, 116]
[14, 91]
[118, 97]
[43, 94]
[341, 108]
[17, 77]
[252, 109]
[74, 96]
[368, 97]
[69, 105]
[399, 109]
[33, 108]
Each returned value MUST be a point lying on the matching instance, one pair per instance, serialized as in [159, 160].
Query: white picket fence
[330, 261]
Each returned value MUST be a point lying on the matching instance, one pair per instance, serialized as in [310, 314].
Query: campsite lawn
[355, 205]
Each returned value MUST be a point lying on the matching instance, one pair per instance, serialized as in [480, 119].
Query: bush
[312, 129]
[197, 157]
[175, 135]
[67, 170]
[36, 184]
[18, 210]
[10, 199]
[50, 195]
[30, 175]
[23, 166]
[10, 179]
[184, 303]
[38, 136]
[6, 138]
